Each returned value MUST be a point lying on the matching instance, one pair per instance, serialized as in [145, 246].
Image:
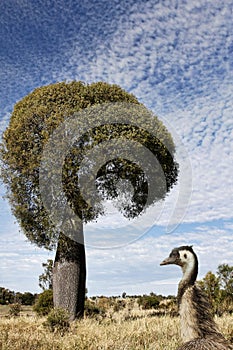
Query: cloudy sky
[177, 58]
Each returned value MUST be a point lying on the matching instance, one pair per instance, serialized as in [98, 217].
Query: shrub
[148, 301]
[92, 310]
[119, 305]
[57, 320]
[44, 303]
[15, 309]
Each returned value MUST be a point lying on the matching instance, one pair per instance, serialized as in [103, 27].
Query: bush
[119, 305]
[148, 301]
[57, 320]
[15, 309]
[44, 303]
[92, 310]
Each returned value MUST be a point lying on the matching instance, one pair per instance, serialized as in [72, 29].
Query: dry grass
[146, 333]
[115, 333]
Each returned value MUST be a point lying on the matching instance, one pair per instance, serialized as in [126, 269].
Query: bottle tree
[33, 123]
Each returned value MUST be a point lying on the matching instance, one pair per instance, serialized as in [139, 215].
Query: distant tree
[6, 296]
[33, 121]
[10, 297]
[219, 288]
[28, 298]
[211, 285]
[46, 278]
[225, 275]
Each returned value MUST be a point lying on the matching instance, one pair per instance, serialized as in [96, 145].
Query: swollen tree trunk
[69, 276]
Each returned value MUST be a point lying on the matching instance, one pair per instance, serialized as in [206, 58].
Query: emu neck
[190, 271]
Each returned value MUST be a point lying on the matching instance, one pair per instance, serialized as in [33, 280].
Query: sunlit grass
[117, 333]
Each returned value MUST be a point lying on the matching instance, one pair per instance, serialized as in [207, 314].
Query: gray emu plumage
[198, 329]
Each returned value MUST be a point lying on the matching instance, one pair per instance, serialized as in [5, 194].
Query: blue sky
[177, 58]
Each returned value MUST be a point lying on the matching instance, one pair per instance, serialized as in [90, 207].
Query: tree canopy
[219, 288]
[34, 120]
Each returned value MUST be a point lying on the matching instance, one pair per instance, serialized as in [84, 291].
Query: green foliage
[44, 303]
[57, 321]
[35, 118]
[46, 278]
[6, 296]
[219, 288]
[225, 275]
[211, 285]
[32, 122]
[148, 301]
[26, 298]
[10, 297]
[14, 309]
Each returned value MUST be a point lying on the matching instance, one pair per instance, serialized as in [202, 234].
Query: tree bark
[69, 275]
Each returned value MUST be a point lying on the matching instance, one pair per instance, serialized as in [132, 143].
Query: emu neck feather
[188, 317]
[195, 314]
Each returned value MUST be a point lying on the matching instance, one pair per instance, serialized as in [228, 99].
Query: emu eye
[185, 256]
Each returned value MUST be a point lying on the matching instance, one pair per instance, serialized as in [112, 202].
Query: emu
[198, 329]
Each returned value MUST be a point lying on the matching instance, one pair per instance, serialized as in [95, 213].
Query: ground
[123, 330]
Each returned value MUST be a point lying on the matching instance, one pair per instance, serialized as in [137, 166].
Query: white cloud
[177, 59]
[21, 263]
[135, 268]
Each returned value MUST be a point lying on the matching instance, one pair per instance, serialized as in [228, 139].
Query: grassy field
[118, 332]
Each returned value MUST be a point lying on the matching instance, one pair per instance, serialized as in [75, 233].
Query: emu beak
[167, 261]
